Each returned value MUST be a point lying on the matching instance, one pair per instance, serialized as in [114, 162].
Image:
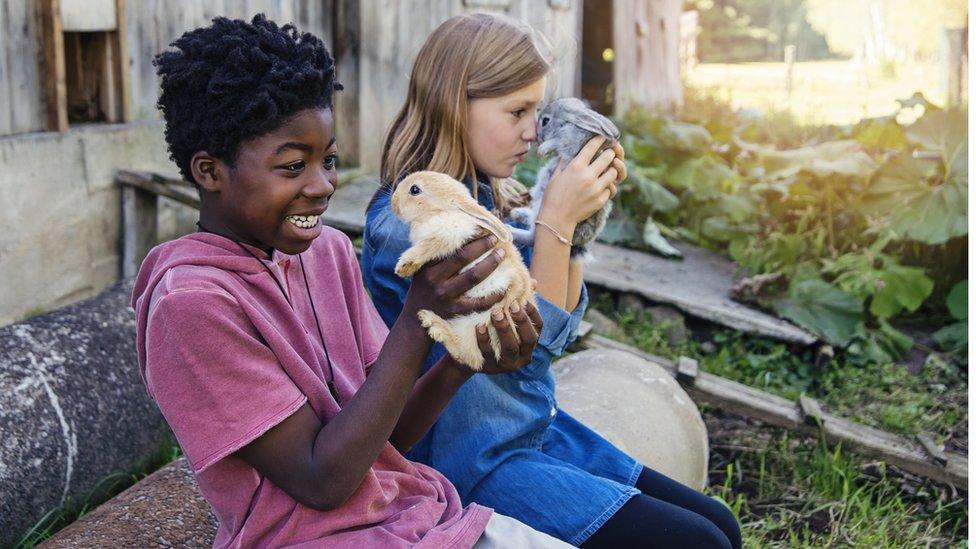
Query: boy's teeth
[303, 221]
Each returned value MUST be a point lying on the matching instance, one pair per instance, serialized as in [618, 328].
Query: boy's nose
[321, 186]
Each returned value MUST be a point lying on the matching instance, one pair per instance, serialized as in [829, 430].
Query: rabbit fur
[564, 127]
[443, 216]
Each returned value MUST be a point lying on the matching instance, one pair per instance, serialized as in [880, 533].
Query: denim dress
[502, 440]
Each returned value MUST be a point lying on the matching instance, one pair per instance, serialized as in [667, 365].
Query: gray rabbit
[564, 126]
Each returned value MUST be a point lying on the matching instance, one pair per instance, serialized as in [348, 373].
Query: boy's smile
[278, 187]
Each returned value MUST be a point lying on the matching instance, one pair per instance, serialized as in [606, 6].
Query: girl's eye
[295, 167]
[518, 113]
[330, 162]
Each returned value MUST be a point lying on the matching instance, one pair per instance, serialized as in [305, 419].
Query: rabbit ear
[595, 122]
[486, 221]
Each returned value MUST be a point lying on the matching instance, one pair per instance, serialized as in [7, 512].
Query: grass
[105, 489]
[823, 92]
[790, 490]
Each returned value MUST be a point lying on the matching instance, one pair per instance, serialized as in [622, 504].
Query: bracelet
[561, 238]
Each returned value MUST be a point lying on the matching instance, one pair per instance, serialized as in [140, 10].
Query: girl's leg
[656, 485]
[645, 521]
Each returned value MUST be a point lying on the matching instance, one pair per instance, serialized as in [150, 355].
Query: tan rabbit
[442, 218]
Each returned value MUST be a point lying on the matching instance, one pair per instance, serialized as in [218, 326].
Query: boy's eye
[295, 167]
[330, 162]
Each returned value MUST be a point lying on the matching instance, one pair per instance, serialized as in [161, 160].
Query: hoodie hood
[196, 249]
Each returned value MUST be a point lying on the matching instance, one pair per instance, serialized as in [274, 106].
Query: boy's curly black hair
[234, 81]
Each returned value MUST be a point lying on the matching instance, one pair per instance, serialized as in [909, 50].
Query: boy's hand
[439, 286]
[516, 352]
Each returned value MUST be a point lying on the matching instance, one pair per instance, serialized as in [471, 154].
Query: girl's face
[288, 172]
[500, 129]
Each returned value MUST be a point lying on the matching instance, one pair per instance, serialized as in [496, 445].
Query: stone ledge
[166, 509]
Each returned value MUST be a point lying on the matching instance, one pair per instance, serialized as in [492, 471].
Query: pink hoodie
[226, 358]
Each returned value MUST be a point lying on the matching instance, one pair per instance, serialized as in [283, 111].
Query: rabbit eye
[545, 120]
[414, 190]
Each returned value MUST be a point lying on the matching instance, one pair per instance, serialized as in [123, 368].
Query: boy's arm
[438, 386]
[320, 465]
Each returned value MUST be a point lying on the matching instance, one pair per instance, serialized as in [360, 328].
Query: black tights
[668, 514]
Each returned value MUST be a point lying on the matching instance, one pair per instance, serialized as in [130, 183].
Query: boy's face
[286, 173]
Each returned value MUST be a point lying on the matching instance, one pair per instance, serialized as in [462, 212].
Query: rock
[638, 406]
[602, 324]
[166, 509]
[676, 331]
[73, 409]
[630, 303]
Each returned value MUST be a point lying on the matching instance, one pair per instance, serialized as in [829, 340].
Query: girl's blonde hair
[467, 57]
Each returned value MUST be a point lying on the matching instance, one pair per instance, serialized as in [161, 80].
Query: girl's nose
[530, 133]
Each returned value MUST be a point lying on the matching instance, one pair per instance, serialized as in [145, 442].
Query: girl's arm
[320, 465]
[436, 388]
[574, 285]
[575, 192]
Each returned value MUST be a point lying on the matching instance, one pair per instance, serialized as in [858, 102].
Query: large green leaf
[918, 202]
[652, 237]
[953, 337]
[821, 308]
[681, 136]
[830, 159]
[881, 133]
[900, 288]
[945, 131]
[653, 193]
[704, 176]
[958, 300]
[620, 230]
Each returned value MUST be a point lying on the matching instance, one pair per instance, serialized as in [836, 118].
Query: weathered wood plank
[22, 42]
[6, 106]
[55, 81]
[749, 402]
[699, 285]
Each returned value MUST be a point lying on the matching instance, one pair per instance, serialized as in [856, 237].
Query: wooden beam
[120, 58]
[146, 183]
[53, 72]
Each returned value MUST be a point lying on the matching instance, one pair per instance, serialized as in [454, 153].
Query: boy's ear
[207, 171]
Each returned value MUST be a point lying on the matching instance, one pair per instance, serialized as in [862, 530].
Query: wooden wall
[374, 58]
[152, 25]
[647, 66]
[21, 109]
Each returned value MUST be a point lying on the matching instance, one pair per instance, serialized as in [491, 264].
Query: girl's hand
[515, 352]
[439, 286]
[581, 188]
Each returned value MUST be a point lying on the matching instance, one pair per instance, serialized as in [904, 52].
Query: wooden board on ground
[698, 285]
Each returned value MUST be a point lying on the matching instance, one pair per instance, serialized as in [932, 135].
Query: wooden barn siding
[154, 24]
[20, 89]
[392, 32]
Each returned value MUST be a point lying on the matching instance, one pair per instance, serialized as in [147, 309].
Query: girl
[470, 113]
[255, 336]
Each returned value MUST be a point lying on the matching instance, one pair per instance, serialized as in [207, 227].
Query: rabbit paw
[407, 265]
[442, 332]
